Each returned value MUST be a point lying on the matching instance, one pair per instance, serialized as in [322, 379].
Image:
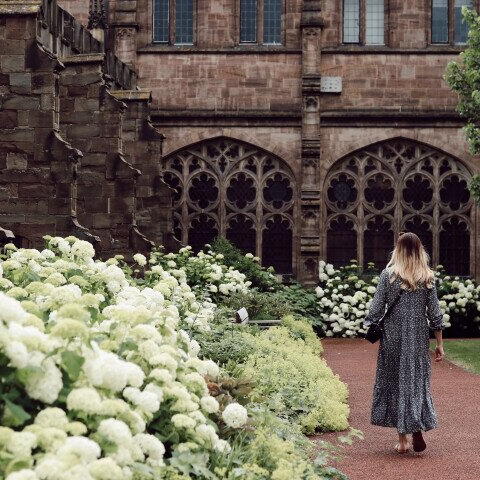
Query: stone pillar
[311, 25]
[143, 148]
[92, 120]
[123, 31]
[97, 19]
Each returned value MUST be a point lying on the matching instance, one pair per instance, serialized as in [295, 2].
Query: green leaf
[18, 464]
[72, 363]
[127, 345]
[33, 277]
[23, 374]
[19, 414]
[93, 313]
[73, 272]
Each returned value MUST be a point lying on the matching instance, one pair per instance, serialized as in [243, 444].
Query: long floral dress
[401, 396]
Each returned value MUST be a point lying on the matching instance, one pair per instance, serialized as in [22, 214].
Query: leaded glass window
[261, 21]
[351, 21]
[439, 21]
[272, 21]
[461, 27]
[184, 21]
[248, 21]
[399, 185]
[173, 21]
[364, 22]
[161, 21]
[375, 22]
[231, 188]
[448, 25]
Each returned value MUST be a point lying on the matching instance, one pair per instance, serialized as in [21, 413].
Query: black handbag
[375, 331]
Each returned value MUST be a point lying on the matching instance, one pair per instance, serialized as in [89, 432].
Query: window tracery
[230, 188]
[399, 185]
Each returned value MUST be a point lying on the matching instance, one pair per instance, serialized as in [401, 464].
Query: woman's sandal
[419, 444]
[398, 450]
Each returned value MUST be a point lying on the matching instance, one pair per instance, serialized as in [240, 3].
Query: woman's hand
[439, 353]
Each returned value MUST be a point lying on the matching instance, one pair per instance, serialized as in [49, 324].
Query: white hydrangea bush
[98, 375]
[205, 270]
[345, 297]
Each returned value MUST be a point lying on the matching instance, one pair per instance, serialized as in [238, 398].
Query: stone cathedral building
[299, 129]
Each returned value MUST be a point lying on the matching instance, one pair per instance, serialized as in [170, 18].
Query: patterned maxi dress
[401, 396]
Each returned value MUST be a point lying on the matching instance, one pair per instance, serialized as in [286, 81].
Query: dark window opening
[277, 244]
[173, 22]
[341, 241]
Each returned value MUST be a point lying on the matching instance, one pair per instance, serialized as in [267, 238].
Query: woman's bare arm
[439, 353]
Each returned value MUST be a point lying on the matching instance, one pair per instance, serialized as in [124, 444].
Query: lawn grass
[464, 353]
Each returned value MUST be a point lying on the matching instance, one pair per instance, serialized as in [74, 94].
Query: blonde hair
[409, 262]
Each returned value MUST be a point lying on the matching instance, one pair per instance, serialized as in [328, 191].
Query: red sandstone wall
[222, 81]
[340, 141]
[77, 8]
[282, 141]
[393, 81]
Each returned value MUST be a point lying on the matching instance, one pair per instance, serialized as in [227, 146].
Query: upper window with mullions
[448, 25]
[364, 22]
[173, 21]
[261, 21]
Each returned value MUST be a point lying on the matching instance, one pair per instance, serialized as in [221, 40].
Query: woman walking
[401, 396]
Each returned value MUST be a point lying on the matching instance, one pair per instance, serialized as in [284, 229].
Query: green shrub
[276, 449]
[259, 305]
[291, 378]
[303, 302]
[261, 278]
[299, 329]
[225, 343]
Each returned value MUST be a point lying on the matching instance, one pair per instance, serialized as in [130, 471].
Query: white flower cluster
[458, 297]
[207, 269]
[345, 299]
[234, 415]
[111, 354]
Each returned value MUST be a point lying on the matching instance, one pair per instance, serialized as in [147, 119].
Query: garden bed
[117, 372]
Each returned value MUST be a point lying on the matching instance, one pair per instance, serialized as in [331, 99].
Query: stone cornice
[391, 118]
[173, 118]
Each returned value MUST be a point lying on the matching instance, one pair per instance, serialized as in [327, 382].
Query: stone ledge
[132, 25]
[132, 95]
[84, 58]
[239, 50]
[20, 7]
[383, 50]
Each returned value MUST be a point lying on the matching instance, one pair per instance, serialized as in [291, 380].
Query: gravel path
[453, 451]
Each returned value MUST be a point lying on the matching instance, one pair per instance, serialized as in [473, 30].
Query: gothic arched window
[399, 185]
[234, 189]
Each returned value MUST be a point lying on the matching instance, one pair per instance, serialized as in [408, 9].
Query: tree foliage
[464, 78]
